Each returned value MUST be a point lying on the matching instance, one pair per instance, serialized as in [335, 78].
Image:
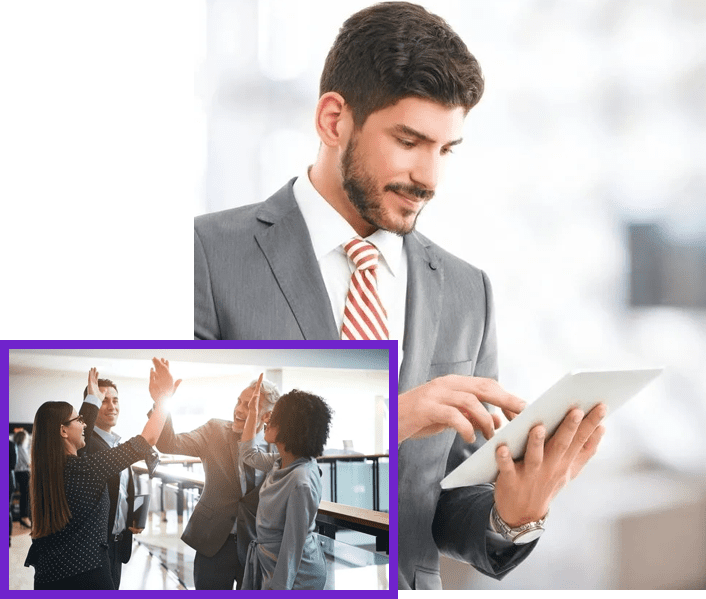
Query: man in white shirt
[121, 488]
[395, 90]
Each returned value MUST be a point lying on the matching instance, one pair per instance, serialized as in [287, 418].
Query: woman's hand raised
[93, 388]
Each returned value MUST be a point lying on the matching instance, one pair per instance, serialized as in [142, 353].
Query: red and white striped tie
[364, 316]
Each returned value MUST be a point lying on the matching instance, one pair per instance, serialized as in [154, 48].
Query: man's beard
[362, 192]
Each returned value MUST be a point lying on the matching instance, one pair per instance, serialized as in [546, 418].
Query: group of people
[254, 522]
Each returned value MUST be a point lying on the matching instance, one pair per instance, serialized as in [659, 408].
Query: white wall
[210, 389]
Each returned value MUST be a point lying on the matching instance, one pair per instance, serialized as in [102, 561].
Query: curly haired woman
[286, 554]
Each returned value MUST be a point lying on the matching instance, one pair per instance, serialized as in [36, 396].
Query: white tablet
[580, 389]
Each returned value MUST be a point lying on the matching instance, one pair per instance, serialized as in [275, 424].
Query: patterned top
[79, 545]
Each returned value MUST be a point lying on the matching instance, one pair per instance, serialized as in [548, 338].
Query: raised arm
[250, 428]
[89, 407]
[162, 387]
[250, 453]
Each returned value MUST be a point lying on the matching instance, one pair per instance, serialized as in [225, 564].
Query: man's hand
[135, 531]
[454, 401]
[254, 405]
[93, 388]
[162, 385]
[524, 489]
[252, 421]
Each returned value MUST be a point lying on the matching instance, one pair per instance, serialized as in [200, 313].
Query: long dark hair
[50, 510]
[394, 50]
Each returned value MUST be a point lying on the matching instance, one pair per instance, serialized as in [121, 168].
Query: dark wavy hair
[393, 50]
[303, 421]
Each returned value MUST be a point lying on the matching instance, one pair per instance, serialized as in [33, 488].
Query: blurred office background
[354, 382]
[580, 189]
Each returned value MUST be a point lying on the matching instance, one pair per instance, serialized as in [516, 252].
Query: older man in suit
[216, 529]
[395, 90]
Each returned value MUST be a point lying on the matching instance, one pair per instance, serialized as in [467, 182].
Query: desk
[183, 478]
[189, 461]
[331, 516]
[184, 460]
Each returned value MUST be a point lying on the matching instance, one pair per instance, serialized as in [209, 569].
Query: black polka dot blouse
[79, 546]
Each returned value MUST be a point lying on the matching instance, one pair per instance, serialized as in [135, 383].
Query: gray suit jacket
[214, 515]
[256, 277]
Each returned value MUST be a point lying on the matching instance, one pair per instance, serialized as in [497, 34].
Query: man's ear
[334, 119]
[266, 416]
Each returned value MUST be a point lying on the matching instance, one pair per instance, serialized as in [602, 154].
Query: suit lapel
[425, 285]
[288, 250]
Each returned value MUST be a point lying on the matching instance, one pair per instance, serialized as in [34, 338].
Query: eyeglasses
[79, 418]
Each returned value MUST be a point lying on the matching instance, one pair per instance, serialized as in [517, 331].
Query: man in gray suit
[395, 90]
[213, 529]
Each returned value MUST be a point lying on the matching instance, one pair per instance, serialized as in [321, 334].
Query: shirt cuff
[93, 400]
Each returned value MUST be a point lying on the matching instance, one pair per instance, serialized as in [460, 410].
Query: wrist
[519, 535]
[404, 428]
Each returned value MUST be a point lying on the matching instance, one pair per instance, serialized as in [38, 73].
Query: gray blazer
[256, 277]
[214, 515]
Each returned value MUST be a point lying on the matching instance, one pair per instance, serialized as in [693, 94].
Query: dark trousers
[97, 579]
[220, 571]
[116, 564]
[22, 479]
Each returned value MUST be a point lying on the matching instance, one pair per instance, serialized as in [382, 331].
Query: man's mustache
[417, 192]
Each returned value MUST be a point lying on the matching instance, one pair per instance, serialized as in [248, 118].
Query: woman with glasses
[69, 493]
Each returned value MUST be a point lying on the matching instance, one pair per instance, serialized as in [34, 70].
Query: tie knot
[363, 253]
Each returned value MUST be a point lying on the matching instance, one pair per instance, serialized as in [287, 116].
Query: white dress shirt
[329, 231]
[121, 509]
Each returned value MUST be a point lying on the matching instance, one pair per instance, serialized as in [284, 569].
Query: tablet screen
[581, 389]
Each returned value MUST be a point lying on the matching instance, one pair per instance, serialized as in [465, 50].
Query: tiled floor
[161, 560]
[143, 571]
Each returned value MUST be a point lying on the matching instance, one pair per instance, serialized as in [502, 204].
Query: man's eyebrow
[405, 130]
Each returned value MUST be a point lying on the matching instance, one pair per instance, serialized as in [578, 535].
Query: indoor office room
[334, 402]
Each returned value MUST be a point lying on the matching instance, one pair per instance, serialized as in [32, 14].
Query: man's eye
[406, 143]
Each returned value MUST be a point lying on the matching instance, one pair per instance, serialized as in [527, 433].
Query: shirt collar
[110, 438]
[329, 230]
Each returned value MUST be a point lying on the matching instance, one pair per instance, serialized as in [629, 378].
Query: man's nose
[427, 170]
